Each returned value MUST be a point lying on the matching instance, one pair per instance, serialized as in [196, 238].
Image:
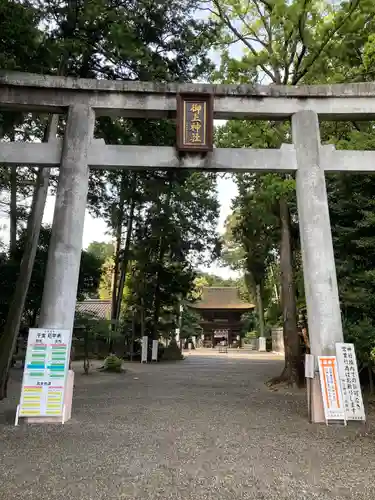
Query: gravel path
[204, 428]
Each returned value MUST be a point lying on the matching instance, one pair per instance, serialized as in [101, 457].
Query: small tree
[190, 323]
[88, 329]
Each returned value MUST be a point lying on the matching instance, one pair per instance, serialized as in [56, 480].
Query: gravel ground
[203, 428]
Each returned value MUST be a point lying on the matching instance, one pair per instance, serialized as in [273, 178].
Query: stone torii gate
[85, 99]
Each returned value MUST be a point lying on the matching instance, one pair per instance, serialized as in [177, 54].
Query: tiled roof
[221, 298]
[97, 307]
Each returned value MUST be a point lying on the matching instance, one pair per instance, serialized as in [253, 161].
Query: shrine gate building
[221, 310]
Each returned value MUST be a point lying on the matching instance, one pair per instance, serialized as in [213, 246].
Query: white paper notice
[331, 390]
[44, 375]
[350, 384]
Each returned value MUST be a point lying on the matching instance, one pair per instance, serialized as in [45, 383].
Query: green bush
[172, 352]
[249, 337]
[362, 335]
[112, 364]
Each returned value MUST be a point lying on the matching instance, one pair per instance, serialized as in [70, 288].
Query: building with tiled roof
[220, 297]
[98, 308]
[221, 310]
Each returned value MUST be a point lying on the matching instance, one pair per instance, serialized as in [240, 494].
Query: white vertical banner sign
[309, 375]
[45, 372]
[331, 391]
[144, 349]
[309, 366]
[349, 379]
[154, 354]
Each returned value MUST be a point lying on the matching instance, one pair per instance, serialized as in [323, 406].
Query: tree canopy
[159, 221]
[294, 42]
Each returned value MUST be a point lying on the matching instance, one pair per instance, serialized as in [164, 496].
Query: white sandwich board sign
[45, 372]
[331, 391]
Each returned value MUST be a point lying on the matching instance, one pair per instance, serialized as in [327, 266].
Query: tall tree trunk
[260, 310]
[292, 373]
[116, 268]
[8, 339]
[132, 336]
[274, 283]
[125, 256]
[161, 255]
[13, 206]
[86, 357]
[157, 299]
[142, 318]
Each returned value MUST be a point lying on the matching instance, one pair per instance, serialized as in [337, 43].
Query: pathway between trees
[204, 428]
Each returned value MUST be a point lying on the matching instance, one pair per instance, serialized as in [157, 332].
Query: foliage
[112, 364]
[21, 42]
[172, 352]
[9, 268]
[172, 217]
[106, 278]
[207, 279]
[98, 328]
[251, 241]
[167, 242]
[102, 250]
[88, 329]
[284, 42]
[190, 323]
[351, 202]
[250, 337]
[249, 323]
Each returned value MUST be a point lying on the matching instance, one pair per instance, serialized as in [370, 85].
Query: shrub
[249, 337]
[112, 364]
[172, 352]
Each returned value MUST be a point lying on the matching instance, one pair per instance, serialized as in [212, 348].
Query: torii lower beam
[102, 156]
[105, 156]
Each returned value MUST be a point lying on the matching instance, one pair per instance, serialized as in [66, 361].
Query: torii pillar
[319, 270]
[64, 254]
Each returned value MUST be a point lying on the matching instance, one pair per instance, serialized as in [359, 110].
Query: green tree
[140, 40]
[130, 40]
[21, 42]
[255, 246]
[102, 250]
[42, 176]
[170, 233]
[190, 323]
[213, 280]
[9, 268]
[351, 202]
[284, 42]
[262, 225]
[88, 330]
